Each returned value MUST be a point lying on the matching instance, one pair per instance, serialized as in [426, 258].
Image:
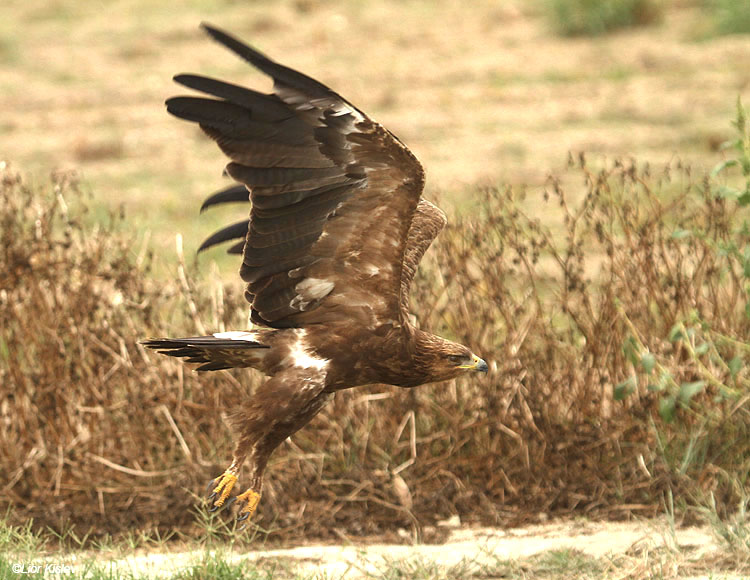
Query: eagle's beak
[477, 364]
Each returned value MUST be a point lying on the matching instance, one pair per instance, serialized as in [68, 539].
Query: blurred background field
[492, 94]
[608, 290]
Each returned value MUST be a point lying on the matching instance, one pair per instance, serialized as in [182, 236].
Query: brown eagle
[336, 231]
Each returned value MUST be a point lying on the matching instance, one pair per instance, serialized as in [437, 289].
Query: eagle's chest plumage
[360, 357]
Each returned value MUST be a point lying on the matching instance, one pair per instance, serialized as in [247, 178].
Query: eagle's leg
[221, 487]
[262, 448]
[248, 500]
[259, 449]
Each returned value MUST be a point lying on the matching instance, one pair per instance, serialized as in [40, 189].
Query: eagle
[336, 230]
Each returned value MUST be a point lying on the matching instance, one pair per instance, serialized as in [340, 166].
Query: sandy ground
[464, 546]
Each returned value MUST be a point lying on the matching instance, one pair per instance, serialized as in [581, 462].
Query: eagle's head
[443, 359]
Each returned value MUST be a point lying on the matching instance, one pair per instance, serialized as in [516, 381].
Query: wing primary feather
[227, 119]
[212, 366]
[236, 230]
[268, 107]
[276, 71]
[235, 193]
[212, 112]
[236, 248]
[279, 178]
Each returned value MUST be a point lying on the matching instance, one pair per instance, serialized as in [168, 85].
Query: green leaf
[680, 234]
[630, 349]
[702, 348]
[667, 409]
[625, 388]
[648, 362]
[724, 164]
[731, 144]
[661, 383]
[726, 192]
[676, 333]
[688, 391]
[735, 366]
[741, 117]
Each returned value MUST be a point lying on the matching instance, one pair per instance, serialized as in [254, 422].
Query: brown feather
[428, 222]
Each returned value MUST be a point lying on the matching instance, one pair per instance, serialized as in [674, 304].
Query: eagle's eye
[457, 358]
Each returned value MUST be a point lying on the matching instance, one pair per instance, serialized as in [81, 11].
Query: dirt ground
[624, 544]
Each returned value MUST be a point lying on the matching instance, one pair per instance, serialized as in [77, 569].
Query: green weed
[596, 17]
[730, 16]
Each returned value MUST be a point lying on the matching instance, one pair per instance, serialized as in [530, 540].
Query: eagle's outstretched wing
[333, 196]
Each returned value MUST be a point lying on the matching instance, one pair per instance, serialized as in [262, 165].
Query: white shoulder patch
[237, 335]
[310, 290]
[301, 356]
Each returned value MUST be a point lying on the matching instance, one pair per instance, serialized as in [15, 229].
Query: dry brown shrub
[90, 421]
[99, 433]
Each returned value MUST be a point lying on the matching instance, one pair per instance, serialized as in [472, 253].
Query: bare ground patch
[572, 549]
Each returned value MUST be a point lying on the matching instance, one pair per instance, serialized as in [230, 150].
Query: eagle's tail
[223, 350]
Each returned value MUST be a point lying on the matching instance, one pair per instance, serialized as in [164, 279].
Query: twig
[409, 417]
[186, 286]
[128, 470]
[180, 438]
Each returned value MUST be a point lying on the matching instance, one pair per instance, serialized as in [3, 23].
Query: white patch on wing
[237, 335]
[315, 288]
[302, 103]
[344, 109]
[372, 269]
[301, 356]
[310, 290]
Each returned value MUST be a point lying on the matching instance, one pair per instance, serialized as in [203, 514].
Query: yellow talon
[253, 499]
[224, 487]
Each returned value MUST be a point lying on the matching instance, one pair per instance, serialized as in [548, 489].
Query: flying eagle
[336, 231]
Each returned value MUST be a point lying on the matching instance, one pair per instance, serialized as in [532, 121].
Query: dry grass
[643, 297]
[89, 432]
